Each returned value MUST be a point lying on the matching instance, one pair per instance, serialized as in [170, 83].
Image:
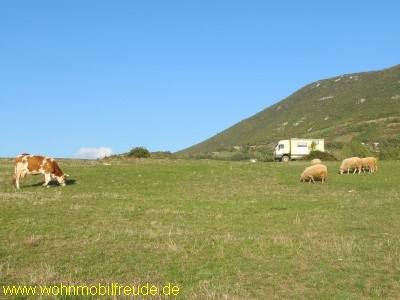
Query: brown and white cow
[35, 164]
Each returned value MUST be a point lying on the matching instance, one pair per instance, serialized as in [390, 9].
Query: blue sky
[90, 78]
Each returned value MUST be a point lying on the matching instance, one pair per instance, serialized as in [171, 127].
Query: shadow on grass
[52, 183]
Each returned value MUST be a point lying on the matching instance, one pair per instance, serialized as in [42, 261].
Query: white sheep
[313, 172]
[352, 163]
[315, 161]
[369, 163]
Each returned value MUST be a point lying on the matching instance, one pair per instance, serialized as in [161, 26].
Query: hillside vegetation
[360, 107]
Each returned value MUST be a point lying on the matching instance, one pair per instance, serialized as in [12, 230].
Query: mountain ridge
[363, 107]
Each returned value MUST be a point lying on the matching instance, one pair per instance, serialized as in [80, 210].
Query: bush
[163, 155]
[344, 150]
[324, 156]
[351, 149]
[390, 153]
[139, 152]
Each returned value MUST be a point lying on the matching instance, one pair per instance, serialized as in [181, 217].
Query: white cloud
[93, 153]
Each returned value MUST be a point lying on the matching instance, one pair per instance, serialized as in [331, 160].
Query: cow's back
[35, 162]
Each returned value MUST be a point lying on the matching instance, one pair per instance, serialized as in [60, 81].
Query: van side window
[281, 146]
[301, 144]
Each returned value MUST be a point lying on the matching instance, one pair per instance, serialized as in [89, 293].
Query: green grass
[217, 230]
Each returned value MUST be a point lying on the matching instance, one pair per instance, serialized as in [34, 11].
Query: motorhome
[295, 148]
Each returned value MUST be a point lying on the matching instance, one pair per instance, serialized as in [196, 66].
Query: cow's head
[62, 179]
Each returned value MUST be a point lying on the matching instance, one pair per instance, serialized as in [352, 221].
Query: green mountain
[360, 107]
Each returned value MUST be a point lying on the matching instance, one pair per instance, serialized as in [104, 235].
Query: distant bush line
[334, 151]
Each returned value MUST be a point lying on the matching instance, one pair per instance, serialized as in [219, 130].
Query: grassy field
[212, 229]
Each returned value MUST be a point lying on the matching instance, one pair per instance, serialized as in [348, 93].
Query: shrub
[324, 156]
[139, 152]
[391, 152]
[342, 150]
[163, 155]
[351, 149]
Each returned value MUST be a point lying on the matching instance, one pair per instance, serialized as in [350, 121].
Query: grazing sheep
[314, 172]
[352, 163]
[369, 163]
[315, 161]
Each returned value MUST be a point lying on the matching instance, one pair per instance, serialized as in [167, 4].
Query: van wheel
[285, 158]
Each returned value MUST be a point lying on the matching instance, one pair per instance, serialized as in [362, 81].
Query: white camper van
[290, 149]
